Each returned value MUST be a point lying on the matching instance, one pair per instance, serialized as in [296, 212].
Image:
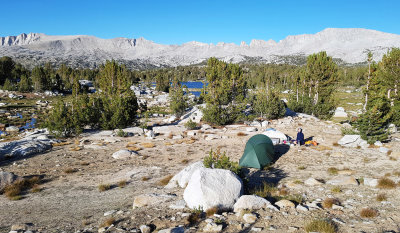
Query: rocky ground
[70, 200]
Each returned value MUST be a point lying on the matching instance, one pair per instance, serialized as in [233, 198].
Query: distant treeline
[15, 77]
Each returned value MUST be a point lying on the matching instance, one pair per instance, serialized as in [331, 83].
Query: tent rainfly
[258, 153]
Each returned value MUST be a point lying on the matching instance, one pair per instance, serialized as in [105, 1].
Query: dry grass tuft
[190, 141]
[381, 197]
[328, 203]
[265, 191]
[386, 183]
[320, 225]
[193, 218]
[70, 170]
[76, 148]
[85, 163]
[336, 189]
[322, 148]
[368, 213]
[170, 135]
[168, 143]
[211, 211]
[131, 144]
[148, 145]
[134, 148]
[122, 183]
[145, 178]
[389, 152]
[184, 161]
[104, 187]
[164, 181]
[301, 167]
[241, 134]
[108, 222]
[396, 173]
[15, 190]
[335, 144]
[36, 188]
[372, 146]
[332, 171]
[61, 144]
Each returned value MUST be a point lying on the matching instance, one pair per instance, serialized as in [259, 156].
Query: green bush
[191, 124]
[373, 123]
[221, 161]
[349, 131]
[269, 105]
[121, 133]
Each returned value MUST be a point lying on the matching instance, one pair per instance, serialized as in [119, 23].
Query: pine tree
[225, 92]
[24, 84]
[8, 85]
[178, 100]
[316, 86]
[373, 123]
[269, 105]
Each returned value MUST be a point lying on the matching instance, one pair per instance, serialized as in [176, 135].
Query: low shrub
[386, 183]
[329, 202]
[320, 225]
[221, 161]
[108, 222]
[191, 125]
[104, 187]
[381, 197]
[211, 211]
[164, 181]
[122, 183]
[333, 171]
[15, 190]
[368, 213]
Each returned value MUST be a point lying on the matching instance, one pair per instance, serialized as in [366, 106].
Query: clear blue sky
[176, 22]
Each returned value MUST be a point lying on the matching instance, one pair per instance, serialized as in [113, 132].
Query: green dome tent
[258, 153]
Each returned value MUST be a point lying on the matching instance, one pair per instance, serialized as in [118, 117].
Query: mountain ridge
[347, 44]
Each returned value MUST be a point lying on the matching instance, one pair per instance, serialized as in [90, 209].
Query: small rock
[256, 229]
[301, 207]
[370, 182]
[312, 182]
[272, 228]
[264, 124]
[336, 220]
[337, 207]
[19, 227]
[292, 228]
[12, 129]
[212, 227]
[345, 180]
[251, 129]
[383, 150]
[250, 218]
[145, 229]
[109, 212]
[181, 204]
[173, 230]
[177, 137]
[123, 154]
[378, 143]
[285, 204]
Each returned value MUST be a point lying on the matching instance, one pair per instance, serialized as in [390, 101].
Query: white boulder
[6, 178]
[251, 202]
[209, 188]
[182, 178]
[351, 141]
[123, 154]
[340, 112]
[275, 134]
